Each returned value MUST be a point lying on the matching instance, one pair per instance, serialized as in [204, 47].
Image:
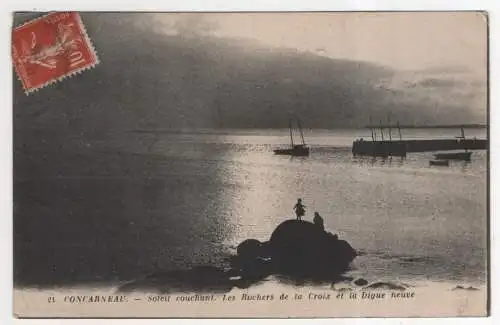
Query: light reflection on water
[191, 198]
[393, 205]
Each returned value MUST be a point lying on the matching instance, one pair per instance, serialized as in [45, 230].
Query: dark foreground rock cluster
[295, 248]
[297, 251]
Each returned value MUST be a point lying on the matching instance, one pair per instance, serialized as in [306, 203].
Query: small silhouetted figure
[300, 209]
[318, 221]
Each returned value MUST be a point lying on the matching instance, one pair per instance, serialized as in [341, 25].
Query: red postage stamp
[51, 48]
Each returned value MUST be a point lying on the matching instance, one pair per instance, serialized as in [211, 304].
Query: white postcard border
[296, 5]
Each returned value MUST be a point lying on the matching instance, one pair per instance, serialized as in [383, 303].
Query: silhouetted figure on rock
[318, 221]
[300, 209]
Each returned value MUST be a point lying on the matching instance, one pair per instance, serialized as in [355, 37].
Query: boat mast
[374, 136]
[290, 127]
[390, 129]
[463, 138]
[381, 130]
[399, 131]
[301, 134]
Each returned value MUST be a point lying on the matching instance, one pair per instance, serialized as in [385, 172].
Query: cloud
[194, 25]
[152, 79]
[439, 83]
[453, 94]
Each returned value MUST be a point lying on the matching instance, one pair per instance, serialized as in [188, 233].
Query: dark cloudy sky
[409, 41]
[447, 47]
[254, 69]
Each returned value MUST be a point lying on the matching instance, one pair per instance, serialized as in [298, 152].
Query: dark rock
[470, 288]
[298, 248]
[299, 251]
[249, 249]
[304, 248]
[344, 289]
[386, 286]
[360, 282]
[257, 270]
[253, 260]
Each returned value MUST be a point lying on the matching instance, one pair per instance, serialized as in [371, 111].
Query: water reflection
[379, 161]
[253, 200]
[116, 215]
[189, 200]
[415, 160]
[465, 166]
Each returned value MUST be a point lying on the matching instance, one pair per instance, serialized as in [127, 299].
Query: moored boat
[439, 162]
[454, 155]
[297, 150]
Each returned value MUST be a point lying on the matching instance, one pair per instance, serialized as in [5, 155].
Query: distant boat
[454, 155]
[298, 150]
[439, 162]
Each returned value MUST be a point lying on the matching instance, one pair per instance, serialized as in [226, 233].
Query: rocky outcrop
[297, 248]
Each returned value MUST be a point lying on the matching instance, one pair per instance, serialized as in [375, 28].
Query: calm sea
[138, 203]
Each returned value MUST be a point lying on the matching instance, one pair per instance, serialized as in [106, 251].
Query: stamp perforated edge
[70, 74]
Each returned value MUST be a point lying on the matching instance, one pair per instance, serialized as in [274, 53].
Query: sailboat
[456, 155]
[298, 150]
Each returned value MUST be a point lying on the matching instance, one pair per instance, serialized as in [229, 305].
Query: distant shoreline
[447, 126]
[228, 130]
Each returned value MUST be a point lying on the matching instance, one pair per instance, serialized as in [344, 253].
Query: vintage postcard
[326, 164]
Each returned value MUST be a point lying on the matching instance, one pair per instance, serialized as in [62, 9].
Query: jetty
[399, 147]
